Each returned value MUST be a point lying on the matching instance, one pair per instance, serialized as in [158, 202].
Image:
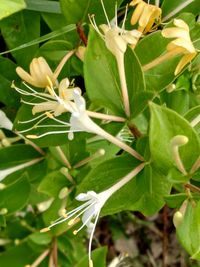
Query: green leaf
[8, 7]
[8, 199]
[43, 6]
[78, 11]
[173, 8]
[8, 96]
[98, 257]
[104, 92]
[16, 154]
[143, 193]
[175, 200]
[164, 125]
[17, 256]
[19, 29]
[43, 38]
[40, 238]
[55, 178]
[188, 231]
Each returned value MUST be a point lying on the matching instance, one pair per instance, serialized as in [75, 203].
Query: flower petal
[181, 24]
[183, 62]
[137, 12]
[5, 122]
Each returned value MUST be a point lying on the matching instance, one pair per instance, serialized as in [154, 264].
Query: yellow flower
[145, 15]
[39, 71]
[182, 43]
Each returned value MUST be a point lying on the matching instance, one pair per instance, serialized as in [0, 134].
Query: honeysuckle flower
[5, 122]
[8, 171]
[80, 121]
[182, 44]
[41, 73]
[90, 210]
[116, 40]
[145, 15]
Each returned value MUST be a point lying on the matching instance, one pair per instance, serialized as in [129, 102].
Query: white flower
[8, 171]
[116, 38]
[5, 122]
[90, 210]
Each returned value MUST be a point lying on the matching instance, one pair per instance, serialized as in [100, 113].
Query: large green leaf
[98, 63]
[8, 199]
[143, 193]
[164, 125]
[8, 7]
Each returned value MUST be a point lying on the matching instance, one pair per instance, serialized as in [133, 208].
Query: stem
[160, 59]
[100, 152]
[192, 188]
[27, 141]
[105, 116]
[40, 258]
[196, 165]
[99, 131]
[62, 63]
[124, 89]
[66, 173]
[125, 180]
[63, 157]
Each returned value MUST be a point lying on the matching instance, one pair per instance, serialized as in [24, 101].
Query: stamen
[94, 25]
[24, 122]
[125, 16]
[48, 133]
[104, 10]
[34, 126]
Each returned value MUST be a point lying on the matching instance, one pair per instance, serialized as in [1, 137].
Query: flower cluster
[145, 15]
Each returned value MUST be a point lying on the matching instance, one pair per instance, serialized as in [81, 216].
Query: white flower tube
[6, 172]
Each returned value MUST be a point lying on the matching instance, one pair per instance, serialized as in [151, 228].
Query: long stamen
[69, 215]
[104, 10]
[48, 133]
[34, 126]
[36, 118]
[83, 225]
[30, 103]
[94, 25]
[125, 16]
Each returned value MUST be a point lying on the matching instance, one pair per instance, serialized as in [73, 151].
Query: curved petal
[173, 32]
[137, 12]
[181, 24]
[25, 76]
[183, 62]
